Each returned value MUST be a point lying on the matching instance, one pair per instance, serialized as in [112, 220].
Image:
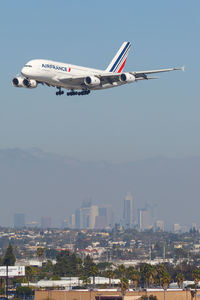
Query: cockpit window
[29, 66]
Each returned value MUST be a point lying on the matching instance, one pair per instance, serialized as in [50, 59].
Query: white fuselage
[50, 72]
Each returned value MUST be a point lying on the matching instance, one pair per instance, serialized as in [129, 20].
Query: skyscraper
[128, 213]
[85, 217]
[106, 216]
[144, 219]
[19, 220]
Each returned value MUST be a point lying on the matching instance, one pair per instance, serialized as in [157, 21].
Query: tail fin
[118, 62]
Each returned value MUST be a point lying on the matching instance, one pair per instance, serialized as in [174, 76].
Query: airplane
[81, 80]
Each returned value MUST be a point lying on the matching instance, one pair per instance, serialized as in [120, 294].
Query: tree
[94, 272]
[104, 265]
[121, 271]
[9, 257]
[165, 280]
[124, 285]
[135, 278]
[29, 273]
[40, 252]
[161, 269]
[23, 291]
[193, 293]
[180, 279]
[196, 277]
[88, 263]
[110, 274]
[149, 273]
[85, 280]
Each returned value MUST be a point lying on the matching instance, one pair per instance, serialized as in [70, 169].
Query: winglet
[181, 68]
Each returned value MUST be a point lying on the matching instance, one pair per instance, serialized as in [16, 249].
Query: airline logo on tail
[118, 62]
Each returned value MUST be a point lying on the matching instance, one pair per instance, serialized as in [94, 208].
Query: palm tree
[152, 273]
[29, 272]
[149, 273]
[133, 275]
[180, 279]
[93, 272]
[121, 270]
[196, 277]
[124, 285]
[110, 274]
[160, 271]
[165, 280]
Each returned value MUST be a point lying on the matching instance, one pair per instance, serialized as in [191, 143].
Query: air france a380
[81, 80]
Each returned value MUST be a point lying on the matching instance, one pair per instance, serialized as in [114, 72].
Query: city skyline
[37, 192]
[89, 216]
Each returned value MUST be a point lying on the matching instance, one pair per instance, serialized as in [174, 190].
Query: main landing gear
[72, 93]
[83, 92]
[60, 92]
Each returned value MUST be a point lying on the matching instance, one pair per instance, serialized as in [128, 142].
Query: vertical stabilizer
[118, 62]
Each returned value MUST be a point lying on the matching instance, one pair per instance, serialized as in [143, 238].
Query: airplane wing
[111, 77]
[143, 74]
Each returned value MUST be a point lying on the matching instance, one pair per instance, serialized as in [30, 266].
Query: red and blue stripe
[121, 60]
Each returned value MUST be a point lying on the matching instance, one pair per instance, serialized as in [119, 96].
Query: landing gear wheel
[81, 93]
[60, 92]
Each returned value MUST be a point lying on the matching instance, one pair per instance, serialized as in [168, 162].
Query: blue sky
[137, 121]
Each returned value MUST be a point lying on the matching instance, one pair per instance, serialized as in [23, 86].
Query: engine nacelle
[18, 81]
[127, 77]
[29, 83]
[92, 81]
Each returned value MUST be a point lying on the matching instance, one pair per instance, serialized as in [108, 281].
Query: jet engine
[92, 81]
[127, 77]
[18, 81]
[29, 83]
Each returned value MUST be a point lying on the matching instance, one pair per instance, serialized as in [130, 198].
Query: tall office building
[105, 217]
[128, 213]
[85, 217]
[144, 219]
[19, 220]
[94, 212]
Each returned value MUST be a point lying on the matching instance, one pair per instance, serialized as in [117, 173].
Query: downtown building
[19, 220]
[128, 211]
[85, 216]
[144, 219]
